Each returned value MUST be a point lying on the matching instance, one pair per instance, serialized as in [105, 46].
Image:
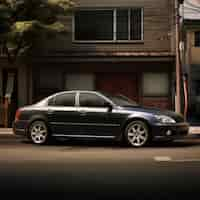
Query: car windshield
[120, 100]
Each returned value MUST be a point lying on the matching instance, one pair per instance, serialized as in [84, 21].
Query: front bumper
[170, 131]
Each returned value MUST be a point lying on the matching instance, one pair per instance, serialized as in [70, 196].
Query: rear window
[63, 100]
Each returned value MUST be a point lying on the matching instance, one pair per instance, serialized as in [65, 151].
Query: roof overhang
[106, 57]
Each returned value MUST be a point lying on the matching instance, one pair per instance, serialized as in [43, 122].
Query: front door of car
[62, 114]
[96, 116]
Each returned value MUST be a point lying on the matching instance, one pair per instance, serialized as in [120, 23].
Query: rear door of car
[94, 117]
[62, 114]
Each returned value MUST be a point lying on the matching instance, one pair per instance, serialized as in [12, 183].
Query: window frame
[197, 43]
[53, 98]
[156, 95]
[114, 26]
[93, 93]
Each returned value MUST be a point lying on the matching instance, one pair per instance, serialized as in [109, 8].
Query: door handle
[82, 112]
[50, 112]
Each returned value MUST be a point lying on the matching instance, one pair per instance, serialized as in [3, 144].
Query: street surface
[99, 170]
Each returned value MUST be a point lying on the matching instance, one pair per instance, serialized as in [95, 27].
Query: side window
[91, 100]
[65, 99]
[51, 101]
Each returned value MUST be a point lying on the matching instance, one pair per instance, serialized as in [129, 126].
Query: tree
[23, 21]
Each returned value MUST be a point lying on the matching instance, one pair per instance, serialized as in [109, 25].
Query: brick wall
[157, 102]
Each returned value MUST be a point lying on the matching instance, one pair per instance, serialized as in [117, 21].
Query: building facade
[192, 41]
[191, 59]
[123, 46]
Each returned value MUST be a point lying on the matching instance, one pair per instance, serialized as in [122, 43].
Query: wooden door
[118, 83]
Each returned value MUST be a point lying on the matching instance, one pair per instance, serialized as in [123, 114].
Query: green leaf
[23, 22]
[61, 5]
[56, 27]
[24, 26]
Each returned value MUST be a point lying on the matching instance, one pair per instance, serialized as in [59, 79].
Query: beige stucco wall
[193, 65]
[195, 55]
[194, 51]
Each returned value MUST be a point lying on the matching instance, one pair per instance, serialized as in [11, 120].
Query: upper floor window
[155, 84]
[197, 39]
[109, 25]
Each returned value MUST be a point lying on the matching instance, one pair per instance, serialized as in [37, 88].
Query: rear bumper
[20, 128]
[171, 131]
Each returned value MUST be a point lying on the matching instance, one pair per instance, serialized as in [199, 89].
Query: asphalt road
[99, 170]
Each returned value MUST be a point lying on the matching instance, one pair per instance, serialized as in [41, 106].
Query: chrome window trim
[129, 24]
[58, 94]
[114, 24]
[76, 100]
[97, 94]
[44, 102]
[142, 24]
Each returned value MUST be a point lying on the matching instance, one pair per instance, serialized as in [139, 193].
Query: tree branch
[5, 49]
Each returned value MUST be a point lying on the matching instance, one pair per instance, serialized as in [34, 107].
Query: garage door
[115, 83]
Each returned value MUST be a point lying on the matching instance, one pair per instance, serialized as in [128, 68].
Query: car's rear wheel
[137, 134]
[38, 132]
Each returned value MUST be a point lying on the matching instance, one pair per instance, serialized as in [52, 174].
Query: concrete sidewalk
[194, 130]
[6, 131]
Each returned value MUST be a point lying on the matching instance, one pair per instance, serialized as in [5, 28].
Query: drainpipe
[183, 63]
[185, 87]
[178, 63]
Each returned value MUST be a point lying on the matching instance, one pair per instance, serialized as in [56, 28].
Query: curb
[192, 136]
[193, 131]
[6, 131]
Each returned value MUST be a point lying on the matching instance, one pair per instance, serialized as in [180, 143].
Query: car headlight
[165, 119]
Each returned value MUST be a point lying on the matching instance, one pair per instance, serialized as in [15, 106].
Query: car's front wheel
[137, 134]
[38, 132]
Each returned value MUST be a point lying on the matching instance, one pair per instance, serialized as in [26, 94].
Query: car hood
[155, 111]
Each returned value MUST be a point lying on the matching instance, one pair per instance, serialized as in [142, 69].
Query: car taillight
[17, 115]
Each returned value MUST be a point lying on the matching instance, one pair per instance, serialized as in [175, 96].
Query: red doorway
[115, 83]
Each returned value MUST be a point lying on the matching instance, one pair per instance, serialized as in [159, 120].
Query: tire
[38, 132]
[137, 134]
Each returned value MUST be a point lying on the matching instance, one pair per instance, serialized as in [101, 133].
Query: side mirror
[109, 106]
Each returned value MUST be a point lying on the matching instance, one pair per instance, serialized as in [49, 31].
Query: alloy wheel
[137, 134]
[38, 132]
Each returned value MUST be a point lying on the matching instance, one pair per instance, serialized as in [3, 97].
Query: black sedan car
[90, 114]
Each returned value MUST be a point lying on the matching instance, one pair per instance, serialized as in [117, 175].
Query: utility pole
[178, 63]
